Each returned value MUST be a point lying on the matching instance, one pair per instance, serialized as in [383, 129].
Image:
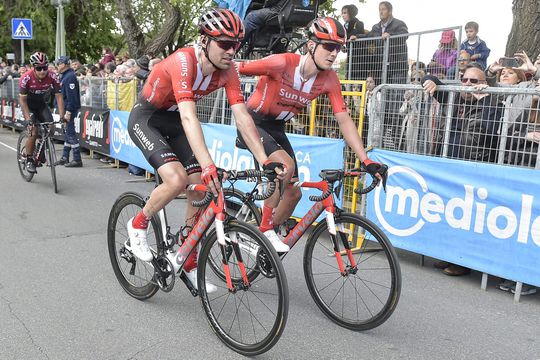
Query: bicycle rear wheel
[366, 295]
[135, 276]
[51, 155]
[21, 156]
[248, 319]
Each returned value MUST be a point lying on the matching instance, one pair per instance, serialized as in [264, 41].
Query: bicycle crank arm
[190, 287]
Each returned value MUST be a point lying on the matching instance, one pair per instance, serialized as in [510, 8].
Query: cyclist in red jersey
[34, 85]
[288, 83]
[164, 123]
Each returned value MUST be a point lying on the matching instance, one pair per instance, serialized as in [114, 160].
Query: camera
[509, 62]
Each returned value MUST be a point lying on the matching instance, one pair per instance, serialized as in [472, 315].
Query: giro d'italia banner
[483, 216]
[313, 154]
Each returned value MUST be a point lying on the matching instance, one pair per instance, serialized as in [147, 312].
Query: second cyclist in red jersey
[288, 83]
[165, 126]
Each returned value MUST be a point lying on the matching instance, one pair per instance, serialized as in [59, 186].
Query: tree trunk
[132, 32]
[167, 31]
[525, 33]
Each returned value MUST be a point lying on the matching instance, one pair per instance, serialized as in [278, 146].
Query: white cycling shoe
[192, 277]
[138, 245]
[276, 241]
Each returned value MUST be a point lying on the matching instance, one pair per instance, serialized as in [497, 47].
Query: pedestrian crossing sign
[21, 29]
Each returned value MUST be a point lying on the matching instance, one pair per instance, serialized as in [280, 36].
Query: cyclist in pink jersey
[34, 86]
[164, 123]
[287, 85]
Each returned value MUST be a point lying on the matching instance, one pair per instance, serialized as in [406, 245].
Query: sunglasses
[227, 44]
[473, 81]
[41, 68]
[330, 47]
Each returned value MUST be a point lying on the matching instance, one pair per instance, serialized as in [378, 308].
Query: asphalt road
[59, 298]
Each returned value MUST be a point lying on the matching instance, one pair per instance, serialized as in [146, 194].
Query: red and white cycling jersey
[35, 88]
[281, 93]
[179, 78]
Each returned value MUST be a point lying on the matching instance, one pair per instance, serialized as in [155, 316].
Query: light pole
[60, 30]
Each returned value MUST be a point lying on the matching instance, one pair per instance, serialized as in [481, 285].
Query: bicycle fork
[335, 232]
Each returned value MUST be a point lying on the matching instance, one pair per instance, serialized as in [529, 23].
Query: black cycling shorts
[40, 114]
[160, 136]
[273, 138]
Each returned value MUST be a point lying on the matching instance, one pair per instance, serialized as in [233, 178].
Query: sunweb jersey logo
[405, 211]
[120, 135]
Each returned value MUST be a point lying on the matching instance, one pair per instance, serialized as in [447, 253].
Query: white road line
[9, 147]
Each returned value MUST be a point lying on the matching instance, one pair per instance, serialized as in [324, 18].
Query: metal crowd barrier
[386, 61]
[403, 118]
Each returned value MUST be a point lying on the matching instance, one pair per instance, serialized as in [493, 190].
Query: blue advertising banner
[477, 215]
[121, 146]
[313, 154]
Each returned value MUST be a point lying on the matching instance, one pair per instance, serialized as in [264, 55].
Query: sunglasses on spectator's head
[473, 81]
[330, 47]
[227, 44]
[41, 68]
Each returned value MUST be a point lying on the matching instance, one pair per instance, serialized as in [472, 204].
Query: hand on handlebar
[274, 167]
[378, 170]
[210, 178]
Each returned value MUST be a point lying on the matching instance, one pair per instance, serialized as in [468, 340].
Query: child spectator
[446, 54]
[476, 47]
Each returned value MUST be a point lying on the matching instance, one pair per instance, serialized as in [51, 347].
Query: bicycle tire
[126, 206]
[52, 160]
[274, 288]
[391, 281]
[21, 156]
[235, 200]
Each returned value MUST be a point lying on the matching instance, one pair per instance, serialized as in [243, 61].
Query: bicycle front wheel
[21, 156]
[51, 154]
[249, 316]
[364, 292]
[135, 276]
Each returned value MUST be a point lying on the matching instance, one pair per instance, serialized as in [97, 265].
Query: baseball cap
[447, 36]
[62, 60]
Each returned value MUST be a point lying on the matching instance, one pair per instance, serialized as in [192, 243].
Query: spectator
[52, 68]
[418, 66]
[72, 101]
[398, 54]
[446, 54]
[355, 29]
[152, 63]
[463, 60]
[109, 70]
[410, 110]
[256, 18]
[107, 56]
[476, 47]
[436, 69]
[473, 135]
[118, 60]
[142, 68]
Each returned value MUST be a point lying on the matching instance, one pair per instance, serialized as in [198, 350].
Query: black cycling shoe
[31, 167]
[73, 164]
[62, 161]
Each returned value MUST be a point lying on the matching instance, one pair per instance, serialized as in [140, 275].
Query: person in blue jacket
[72, 101]
[476, 47]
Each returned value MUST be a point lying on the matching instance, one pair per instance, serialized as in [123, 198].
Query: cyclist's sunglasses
[473, 81]
[330, 47]
[227, 44]
[41, 68]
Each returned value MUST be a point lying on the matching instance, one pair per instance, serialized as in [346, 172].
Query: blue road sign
[21, 29]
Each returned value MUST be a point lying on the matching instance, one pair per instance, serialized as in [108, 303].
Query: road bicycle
[44, 152]
[350, 267]
[248, 315]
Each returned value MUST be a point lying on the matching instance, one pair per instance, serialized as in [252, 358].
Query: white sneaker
[276, 241]
[137, 239]
[192, 277]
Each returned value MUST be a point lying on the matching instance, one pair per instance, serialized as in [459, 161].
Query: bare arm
[23, 100]
[60, 103]
[192, 128]
[350, 133]
[249, 132]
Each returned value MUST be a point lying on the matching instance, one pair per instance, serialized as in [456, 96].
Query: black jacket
[354, 27]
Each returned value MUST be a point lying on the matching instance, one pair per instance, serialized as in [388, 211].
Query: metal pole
[62, 32]
[57, 46]
[22, 52]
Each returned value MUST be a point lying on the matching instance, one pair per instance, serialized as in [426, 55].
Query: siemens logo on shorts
[145, 142]
[467, 212]
[120, 135]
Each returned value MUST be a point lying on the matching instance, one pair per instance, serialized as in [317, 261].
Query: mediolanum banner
[482, 216]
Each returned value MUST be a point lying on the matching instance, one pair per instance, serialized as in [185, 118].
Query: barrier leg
[517, 294]
[485, 277]
[422, 260]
